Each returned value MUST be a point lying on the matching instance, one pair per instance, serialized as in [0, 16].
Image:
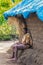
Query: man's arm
[31, 42]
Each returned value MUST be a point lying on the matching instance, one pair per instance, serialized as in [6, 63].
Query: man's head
[26, 38]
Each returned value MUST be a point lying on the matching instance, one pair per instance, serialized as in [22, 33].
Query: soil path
[4, 46]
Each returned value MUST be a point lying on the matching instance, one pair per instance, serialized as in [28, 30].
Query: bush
[6, 30]
[2, 20]
[4, 4]
[5, 37]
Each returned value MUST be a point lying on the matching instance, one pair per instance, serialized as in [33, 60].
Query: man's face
[27, 39]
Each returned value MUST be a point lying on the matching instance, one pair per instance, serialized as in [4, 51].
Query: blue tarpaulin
[25, 8]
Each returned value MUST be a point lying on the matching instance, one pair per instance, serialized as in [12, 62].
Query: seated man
[25, 43]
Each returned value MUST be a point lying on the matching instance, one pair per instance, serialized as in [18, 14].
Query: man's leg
[21, 47]
[15, 50]
[15, 53]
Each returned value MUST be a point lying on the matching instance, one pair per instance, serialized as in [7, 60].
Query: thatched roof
[25, 8]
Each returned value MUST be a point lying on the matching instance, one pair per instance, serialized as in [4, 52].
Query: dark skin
[28, 44]
[28, 41]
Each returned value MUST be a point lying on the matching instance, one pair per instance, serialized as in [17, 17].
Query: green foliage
[4, 4]
[2, 20]
[17, 1]
[5, 37]
[5, 29]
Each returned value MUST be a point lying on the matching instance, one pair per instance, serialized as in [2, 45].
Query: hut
[27, 16]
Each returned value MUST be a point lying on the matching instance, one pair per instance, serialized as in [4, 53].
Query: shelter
[29, 14]
[30, 11]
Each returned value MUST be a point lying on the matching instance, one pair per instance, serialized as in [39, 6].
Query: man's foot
[10, 57]
[13, 59]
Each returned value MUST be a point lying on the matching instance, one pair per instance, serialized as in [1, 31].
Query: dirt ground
[30, 56]
[4, 59]
[4, 46]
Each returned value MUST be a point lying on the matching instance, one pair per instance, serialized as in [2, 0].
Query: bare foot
[13, 59]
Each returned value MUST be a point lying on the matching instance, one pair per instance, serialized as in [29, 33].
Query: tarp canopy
[25, 8]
